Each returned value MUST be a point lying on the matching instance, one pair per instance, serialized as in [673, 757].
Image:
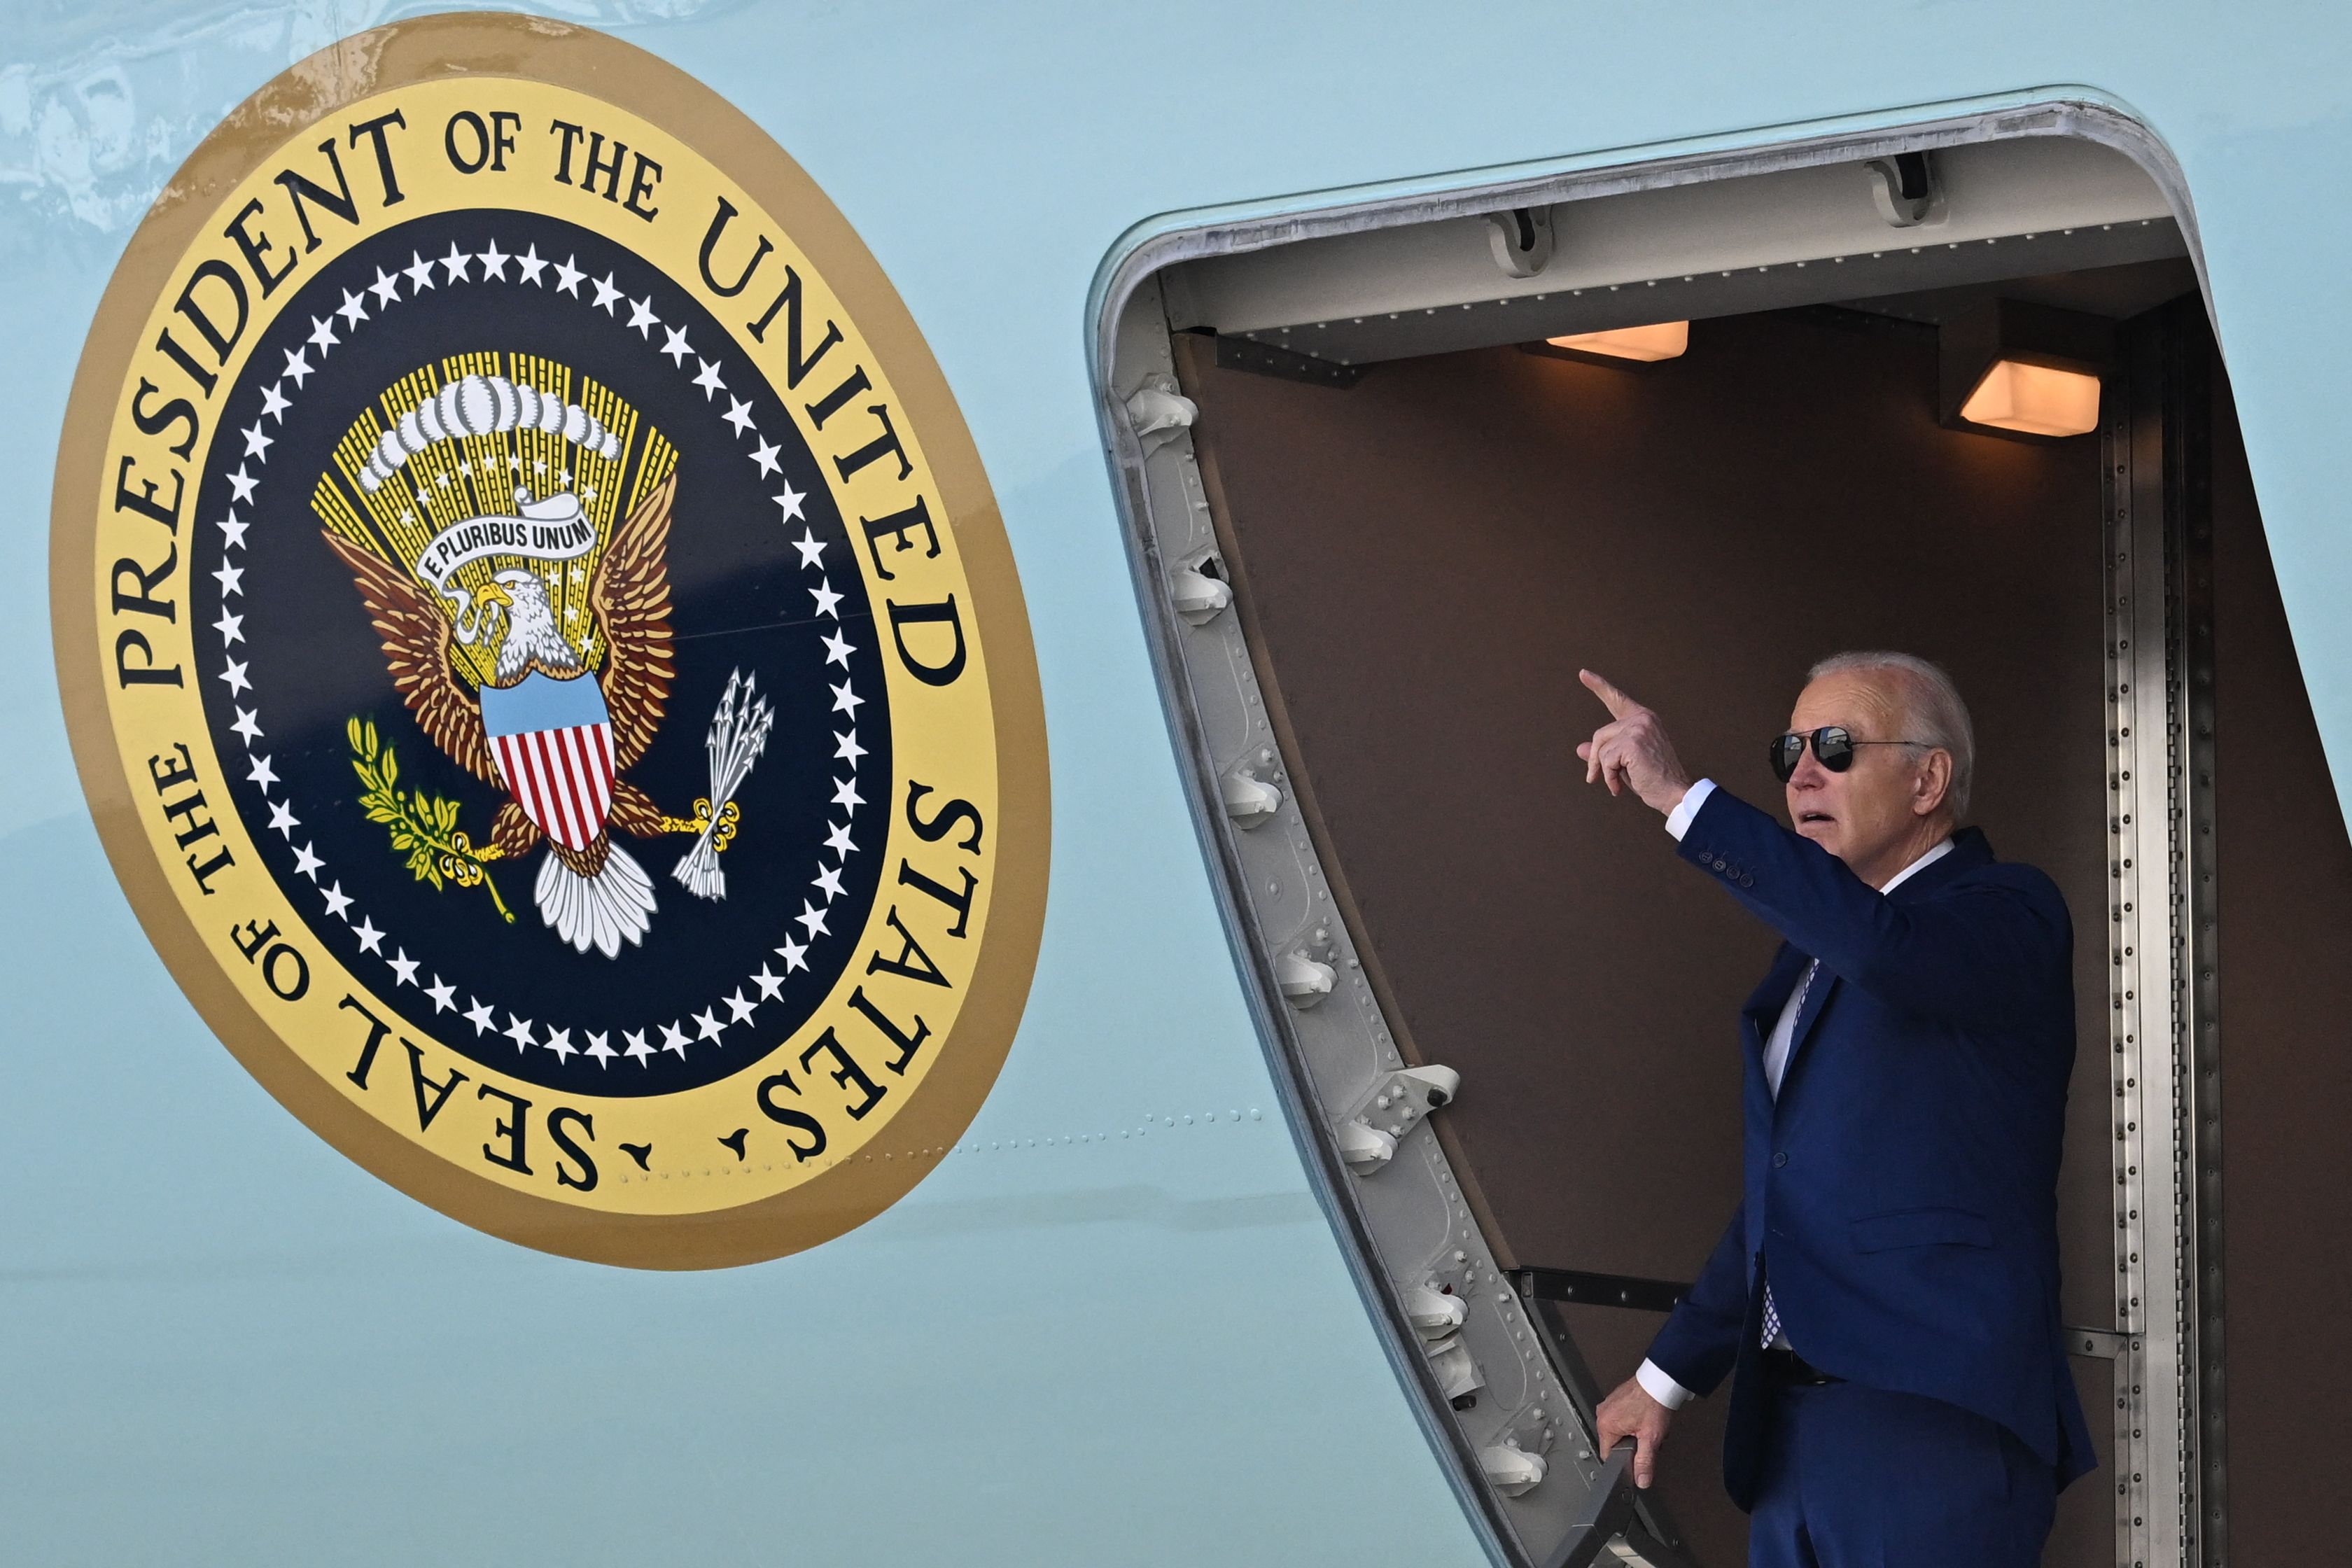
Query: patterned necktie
[1772, 1312]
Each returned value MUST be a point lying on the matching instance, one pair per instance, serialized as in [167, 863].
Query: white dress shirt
[1653, 1379]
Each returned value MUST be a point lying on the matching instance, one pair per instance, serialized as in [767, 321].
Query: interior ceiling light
[2036, 399]
[1663, 339]
[2016, 369]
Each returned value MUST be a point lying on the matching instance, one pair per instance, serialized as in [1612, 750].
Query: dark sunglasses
[1833, 744]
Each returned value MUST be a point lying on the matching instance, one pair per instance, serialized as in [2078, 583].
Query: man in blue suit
[1886, 1298]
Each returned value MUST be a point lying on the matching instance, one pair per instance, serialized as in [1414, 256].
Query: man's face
[1861, 814]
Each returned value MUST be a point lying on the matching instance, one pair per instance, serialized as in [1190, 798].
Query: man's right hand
[1631, 751]
[1630, 1412]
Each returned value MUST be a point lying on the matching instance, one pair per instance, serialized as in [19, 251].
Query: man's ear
[1933, 784]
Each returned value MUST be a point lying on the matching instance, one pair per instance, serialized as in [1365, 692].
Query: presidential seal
[542, 655]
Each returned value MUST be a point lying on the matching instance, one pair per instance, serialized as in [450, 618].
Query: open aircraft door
[1375, 538]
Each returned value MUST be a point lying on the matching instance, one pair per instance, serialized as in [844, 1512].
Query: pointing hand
[1632, 751]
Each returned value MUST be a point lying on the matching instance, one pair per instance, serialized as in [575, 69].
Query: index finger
[1618, 703]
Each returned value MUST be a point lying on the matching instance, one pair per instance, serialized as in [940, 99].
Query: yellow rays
[460, 478]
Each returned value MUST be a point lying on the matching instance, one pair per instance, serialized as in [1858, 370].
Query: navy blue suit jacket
[1901, 1194]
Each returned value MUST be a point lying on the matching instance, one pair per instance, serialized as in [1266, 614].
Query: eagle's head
[531, 632]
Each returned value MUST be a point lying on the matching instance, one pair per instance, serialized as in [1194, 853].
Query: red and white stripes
[563, 779]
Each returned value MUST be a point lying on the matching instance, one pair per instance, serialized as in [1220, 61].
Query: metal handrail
[1587, 1289]
[1608, 1512]
[1614, 1506]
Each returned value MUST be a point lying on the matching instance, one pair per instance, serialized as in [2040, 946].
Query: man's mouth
[1805, 816]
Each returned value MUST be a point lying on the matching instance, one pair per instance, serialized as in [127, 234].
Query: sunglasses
[1832, 744]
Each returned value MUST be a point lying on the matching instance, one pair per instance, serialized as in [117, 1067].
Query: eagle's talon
[462, 863]
[694, 823]
[729, 816]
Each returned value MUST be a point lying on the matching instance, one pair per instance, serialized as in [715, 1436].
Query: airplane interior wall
[1424, 562]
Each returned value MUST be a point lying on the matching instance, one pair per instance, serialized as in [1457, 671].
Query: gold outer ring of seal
[472, 44]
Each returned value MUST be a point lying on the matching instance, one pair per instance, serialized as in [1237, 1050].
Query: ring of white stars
[370, 303]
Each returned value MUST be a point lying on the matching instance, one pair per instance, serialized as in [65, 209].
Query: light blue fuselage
[1121, 1331]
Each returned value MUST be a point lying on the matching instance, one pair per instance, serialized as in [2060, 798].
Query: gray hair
[1937, 717]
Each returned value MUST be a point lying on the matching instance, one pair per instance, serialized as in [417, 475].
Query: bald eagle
[555, 735]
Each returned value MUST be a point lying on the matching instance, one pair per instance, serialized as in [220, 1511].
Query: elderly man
[1886, 1298]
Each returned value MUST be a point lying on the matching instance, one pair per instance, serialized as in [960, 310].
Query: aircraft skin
[1115, 1326]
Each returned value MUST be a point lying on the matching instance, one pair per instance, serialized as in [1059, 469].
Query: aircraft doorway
[1379, 578]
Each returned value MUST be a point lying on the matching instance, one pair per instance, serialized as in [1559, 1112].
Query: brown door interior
[1422, 563]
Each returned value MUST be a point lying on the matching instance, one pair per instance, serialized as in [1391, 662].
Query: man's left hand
[1632, 751]
[1630, 1412]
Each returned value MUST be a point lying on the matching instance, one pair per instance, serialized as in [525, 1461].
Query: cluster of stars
[368, 303]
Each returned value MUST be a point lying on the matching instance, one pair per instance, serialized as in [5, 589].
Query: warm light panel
[2035, 399]
[1665, 339]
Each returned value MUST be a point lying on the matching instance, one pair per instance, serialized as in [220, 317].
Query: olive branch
[424, 826]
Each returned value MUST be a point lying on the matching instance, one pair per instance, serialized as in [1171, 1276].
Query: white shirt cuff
[1678, 820]
[1654, 1382]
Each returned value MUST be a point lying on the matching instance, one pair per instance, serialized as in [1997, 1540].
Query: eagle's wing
[417, 647]
[630, 598]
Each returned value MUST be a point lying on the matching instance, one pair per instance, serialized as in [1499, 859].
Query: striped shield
[553, 742]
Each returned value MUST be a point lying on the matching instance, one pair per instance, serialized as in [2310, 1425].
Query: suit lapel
[1816, 998]
[1970, 849]
[1764, 1005]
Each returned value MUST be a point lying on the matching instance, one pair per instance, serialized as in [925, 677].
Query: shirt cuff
[1657, 1384]
[1678, 820]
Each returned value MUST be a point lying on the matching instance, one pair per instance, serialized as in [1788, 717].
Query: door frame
[2165, 1337]
[2169, 1438]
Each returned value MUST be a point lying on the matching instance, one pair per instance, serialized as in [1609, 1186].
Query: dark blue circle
[741, 597]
